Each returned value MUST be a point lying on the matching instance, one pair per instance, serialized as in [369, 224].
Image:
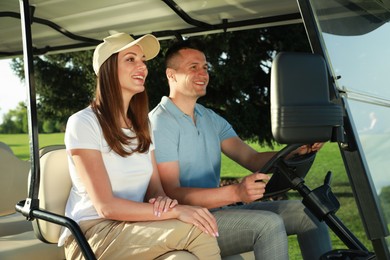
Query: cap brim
[149, 44]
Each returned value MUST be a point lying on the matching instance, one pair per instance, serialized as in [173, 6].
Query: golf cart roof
[65, 25]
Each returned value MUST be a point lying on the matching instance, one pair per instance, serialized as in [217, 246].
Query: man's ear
[170, 73]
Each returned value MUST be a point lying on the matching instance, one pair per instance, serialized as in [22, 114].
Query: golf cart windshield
[356, 36]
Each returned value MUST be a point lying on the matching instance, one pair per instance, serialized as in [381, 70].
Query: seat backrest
[6, 147]
[55, 184]
[13, 180]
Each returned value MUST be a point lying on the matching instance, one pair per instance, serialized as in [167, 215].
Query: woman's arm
[90, 167]
[155, 193]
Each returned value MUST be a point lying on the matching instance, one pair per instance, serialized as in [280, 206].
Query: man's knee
[255, 220]
[274, 223]
[302, 219]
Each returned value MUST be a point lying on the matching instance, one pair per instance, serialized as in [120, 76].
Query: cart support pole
[26, 21]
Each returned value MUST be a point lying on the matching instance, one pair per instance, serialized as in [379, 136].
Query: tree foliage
[239, 78]
[15, 121]
[64, 84]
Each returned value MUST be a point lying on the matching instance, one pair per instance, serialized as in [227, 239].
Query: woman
[116, 194]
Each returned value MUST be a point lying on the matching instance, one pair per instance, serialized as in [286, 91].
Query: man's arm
[244, 155]
[247, 157]
[246, 191]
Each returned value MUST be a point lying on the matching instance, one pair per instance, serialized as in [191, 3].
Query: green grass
[20, 144]
[328, 159]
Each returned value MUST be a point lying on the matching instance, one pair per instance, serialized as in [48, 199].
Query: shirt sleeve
[82, 132]
[222, 126]
[166, 137]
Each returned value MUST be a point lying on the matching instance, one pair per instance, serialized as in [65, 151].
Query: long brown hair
[108, 104]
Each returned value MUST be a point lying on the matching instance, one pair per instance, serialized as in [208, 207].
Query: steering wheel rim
[298, 167]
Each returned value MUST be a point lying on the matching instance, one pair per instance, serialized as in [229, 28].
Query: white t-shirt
[129, 176]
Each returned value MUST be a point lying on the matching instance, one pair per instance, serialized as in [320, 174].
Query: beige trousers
[167, 239]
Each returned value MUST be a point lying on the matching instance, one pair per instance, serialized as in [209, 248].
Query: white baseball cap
[120, 41]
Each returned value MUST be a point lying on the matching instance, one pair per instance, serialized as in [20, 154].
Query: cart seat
[17, 238]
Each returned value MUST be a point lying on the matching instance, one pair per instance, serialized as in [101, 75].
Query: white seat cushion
[27, 246]
[14, 224]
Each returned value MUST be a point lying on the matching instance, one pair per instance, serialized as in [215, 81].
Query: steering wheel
[287, 173]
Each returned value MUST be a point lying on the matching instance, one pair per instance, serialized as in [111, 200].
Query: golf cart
[326, 95]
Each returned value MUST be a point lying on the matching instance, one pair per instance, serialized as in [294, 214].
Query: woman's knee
[192, 239]
[177, 255]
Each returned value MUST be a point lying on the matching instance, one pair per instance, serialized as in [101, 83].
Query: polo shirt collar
[167, 102]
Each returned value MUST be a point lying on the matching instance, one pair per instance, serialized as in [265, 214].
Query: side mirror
[301, 111]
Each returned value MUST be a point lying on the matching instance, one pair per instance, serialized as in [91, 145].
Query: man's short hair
[181, 45]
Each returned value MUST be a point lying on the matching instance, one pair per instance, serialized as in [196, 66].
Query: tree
[15, 121]
[64, 84]
[238, 88]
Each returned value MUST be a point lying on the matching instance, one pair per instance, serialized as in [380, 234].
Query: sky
[12, 90]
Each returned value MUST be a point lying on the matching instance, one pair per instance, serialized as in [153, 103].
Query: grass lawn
[21, 146]
[328, 159]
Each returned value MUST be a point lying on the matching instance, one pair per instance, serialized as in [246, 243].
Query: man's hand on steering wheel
[296, 159]
[252, 187]
[306, 149]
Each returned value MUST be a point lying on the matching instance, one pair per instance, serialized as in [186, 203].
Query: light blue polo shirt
[197, 147]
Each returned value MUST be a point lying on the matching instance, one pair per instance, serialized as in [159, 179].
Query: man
[189, 139]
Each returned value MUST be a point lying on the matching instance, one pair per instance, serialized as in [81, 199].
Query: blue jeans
[262, 227]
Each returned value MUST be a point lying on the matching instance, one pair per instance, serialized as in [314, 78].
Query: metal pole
[32, 200]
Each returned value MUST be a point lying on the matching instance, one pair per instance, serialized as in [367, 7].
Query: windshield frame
[353, 154]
